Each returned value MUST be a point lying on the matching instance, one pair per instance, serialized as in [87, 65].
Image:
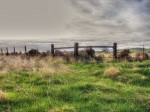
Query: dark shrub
[140, 57]
[98, 58]
[59, 53]
[90, 52]
[124, 53]
[33, 52]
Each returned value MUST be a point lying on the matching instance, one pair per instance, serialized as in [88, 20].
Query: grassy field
[47, 85]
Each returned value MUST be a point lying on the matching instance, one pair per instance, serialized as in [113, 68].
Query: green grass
[85, 89]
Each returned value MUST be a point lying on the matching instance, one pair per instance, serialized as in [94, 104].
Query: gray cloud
[118, 20]
[112, 18]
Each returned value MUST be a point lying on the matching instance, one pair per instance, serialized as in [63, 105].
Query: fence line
[76, 49]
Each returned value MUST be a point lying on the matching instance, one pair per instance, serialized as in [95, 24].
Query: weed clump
[3, 95]
[112, 72]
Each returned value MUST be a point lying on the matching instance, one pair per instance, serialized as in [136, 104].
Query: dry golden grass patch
[3, 95]
[58, 68]
[3, 71]
[17, 63]
[106, 56]
[46, 65]
[112, 72]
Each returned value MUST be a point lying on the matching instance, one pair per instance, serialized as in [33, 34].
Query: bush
[124, 53]
[33, 52]
[140, 57]
[90, 52]
[98, 58]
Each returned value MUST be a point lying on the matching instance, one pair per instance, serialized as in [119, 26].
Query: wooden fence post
[91, 52]
[1, 51]
[143, 52]
[115, 51]
[25, 49]
[76, 48]
[14, 50]
[52, 49]
[7, 52]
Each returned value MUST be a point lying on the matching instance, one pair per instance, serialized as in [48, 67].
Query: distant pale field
[53, 85]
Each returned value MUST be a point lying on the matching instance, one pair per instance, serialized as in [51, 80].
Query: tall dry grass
[37, 64]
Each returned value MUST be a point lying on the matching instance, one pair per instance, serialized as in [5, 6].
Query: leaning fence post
[52, 49]
[76, 48]
[115, 51]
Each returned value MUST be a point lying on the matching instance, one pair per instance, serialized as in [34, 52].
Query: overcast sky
[78, 19]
